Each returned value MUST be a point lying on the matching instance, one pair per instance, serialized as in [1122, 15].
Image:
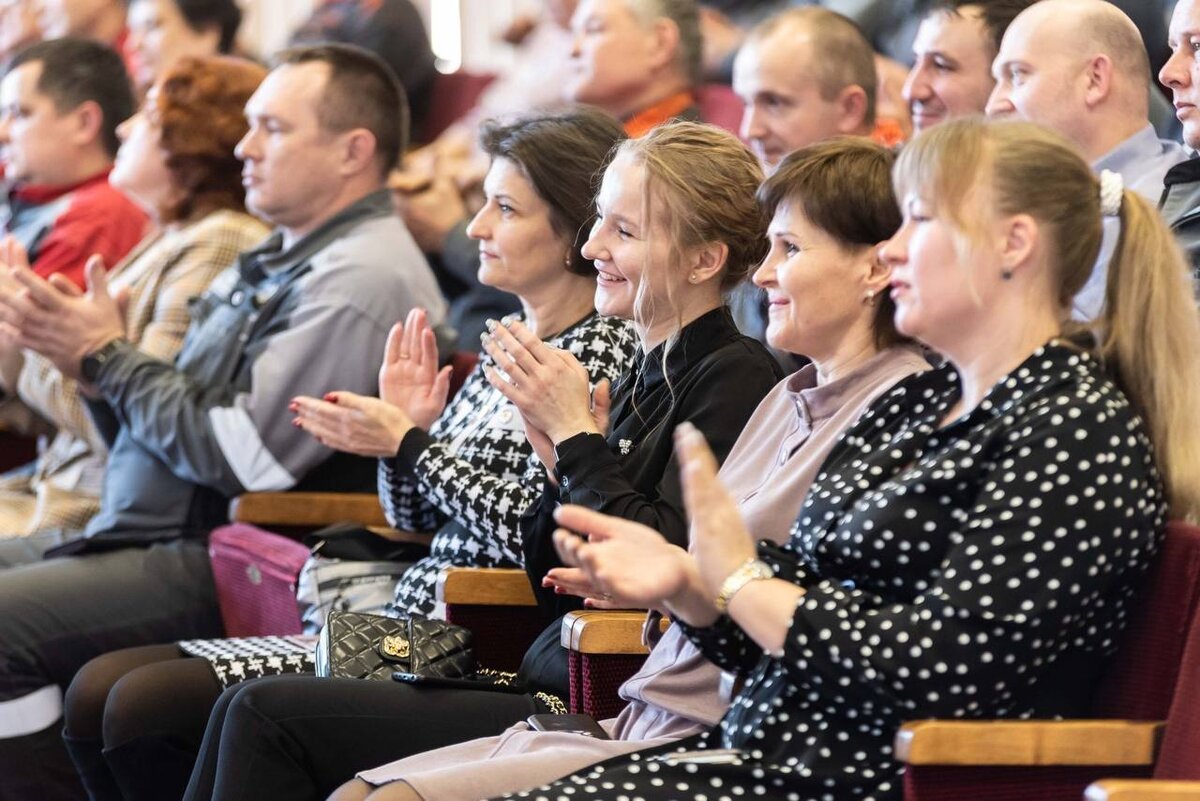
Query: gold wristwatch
[750, 570]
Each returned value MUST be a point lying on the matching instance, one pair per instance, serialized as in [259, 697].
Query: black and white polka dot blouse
[980, 570]
[473, 474]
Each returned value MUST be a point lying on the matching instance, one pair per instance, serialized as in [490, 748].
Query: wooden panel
[485, 586]
[606, 632]
[307, 509]
[1142, 790]
[1044, 743]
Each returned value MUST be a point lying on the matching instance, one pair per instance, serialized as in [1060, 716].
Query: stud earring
[869, 297]
[1006, 275]
[693, 278]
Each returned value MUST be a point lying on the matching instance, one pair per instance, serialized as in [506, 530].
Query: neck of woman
[557, 305]
[665, 323]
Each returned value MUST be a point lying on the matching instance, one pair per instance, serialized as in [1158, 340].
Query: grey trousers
[57, 614]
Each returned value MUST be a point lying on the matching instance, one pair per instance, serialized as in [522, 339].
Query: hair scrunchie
[1112, 189]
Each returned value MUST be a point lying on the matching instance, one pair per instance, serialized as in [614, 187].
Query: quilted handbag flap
[360, 646]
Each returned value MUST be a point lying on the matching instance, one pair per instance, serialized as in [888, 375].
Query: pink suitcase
[255, 572]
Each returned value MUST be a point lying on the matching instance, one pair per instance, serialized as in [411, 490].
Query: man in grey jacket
[1180, 203]
[306, 312]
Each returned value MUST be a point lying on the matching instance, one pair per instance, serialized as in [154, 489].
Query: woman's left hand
[548, 385]
[353, 423]
[718, 538]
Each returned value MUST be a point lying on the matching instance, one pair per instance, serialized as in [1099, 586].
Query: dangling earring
[567, 260]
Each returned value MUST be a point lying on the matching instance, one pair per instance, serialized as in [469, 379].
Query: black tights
[135, 719]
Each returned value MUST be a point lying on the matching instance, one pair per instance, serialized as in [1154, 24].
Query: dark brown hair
[843, 186]
[563, 155]
[199, 111]
[362, 92]
[997, 15]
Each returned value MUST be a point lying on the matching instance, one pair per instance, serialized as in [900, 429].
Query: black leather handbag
[360, 646]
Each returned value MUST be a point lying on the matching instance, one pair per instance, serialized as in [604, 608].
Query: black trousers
[301, 737]
[58, 614]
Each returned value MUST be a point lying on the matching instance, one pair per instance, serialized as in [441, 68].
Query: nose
[4, 123]
[764, 276]
[245, 149]
[916, 86]
[999, 102]
[594, 247]
[124, 128]
[1174, 74]
[895, 251]
[752, 127]
[478, 228]
[576, 46]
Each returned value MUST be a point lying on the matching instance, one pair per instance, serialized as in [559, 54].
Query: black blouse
[715, 377]
[980, 570]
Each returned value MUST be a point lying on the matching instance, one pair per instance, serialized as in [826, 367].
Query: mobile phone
[710, 756]
[518, 688]
[577, 724]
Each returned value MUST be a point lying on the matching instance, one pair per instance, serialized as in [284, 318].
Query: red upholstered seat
[1155, 676]
[454, 94]
[720, 106]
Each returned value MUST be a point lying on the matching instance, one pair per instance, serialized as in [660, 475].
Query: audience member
[468, 479]
[635, 59]
[904, 591]
[805, 75]
[832, 205]
[954, 49]
[186, 437]
[60, 104]
[1181, 74]
[176, 161]
[392, 30]
[1079, 68]
[672, 228]
[100, 21]
[163, 31]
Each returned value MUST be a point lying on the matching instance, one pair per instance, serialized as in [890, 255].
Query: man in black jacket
[1180, 203]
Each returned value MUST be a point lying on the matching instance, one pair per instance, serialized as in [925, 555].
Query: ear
[852, 107]
[358, 151]
[877, 271]
[89, 123]
[210, 36]
[708, 262]
[1098, 75]
[1021, 235]
[664, 43]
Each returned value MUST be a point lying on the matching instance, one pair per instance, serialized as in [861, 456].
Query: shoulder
[743, 357]
[226, 226]
[375, 265]
[100, 200]
[597, 335]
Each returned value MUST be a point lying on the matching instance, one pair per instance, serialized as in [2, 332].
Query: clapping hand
[53, 318]
[409, 377]
[547, 385]
[352, 423]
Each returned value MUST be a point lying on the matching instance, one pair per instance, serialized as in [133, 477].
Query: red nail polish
[329, 396]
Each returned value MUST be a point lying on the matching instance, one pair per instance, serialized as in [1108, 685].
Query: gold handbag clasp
[395, 647]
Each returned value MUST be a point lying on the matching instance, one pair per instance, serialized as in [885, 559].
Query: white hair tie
[1112, 189]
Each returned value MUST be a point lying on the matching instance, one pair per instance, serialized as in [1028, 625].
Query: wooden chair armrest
[606, 631]
[1142, 790]
[307, 509]
[485, 586]
[1028, 743]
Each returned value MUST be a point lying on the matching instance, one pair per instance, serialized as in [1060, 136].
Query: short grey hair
[686, 16]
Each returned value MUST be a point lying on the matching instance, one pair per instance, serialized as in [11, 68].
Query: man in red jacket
[60, 104]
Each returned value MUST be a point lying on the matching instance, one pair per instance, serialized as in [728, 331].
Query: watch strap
[751, 570]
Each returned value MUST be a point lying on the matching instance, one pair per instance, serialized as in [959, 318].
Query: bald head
[1077, 66]
[805, 75]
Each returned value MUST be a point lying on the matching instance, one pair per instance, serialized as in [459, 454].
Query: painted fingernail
[484, 337]
[329, 396]
[490, 324]
[296, 422]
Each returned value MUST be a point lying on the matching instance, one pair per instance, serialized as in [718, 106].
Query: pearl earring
[869, 297]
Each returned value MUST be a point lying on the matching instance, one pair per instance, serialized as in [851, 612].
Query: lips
[897, 288]
[604, 277]
[775, 302]
[1183, 109]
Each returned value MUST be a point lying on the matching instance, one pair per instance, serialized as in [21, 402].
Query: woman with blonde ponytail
[971, 547]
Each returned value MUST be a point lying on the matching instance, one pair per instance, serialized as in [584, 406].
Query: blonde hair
[701, 183]
[1149, 329]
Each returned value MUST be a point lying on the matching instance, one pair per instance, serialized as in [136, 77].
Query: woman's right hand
[352, 423]
[409, 377]
[621, 561]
